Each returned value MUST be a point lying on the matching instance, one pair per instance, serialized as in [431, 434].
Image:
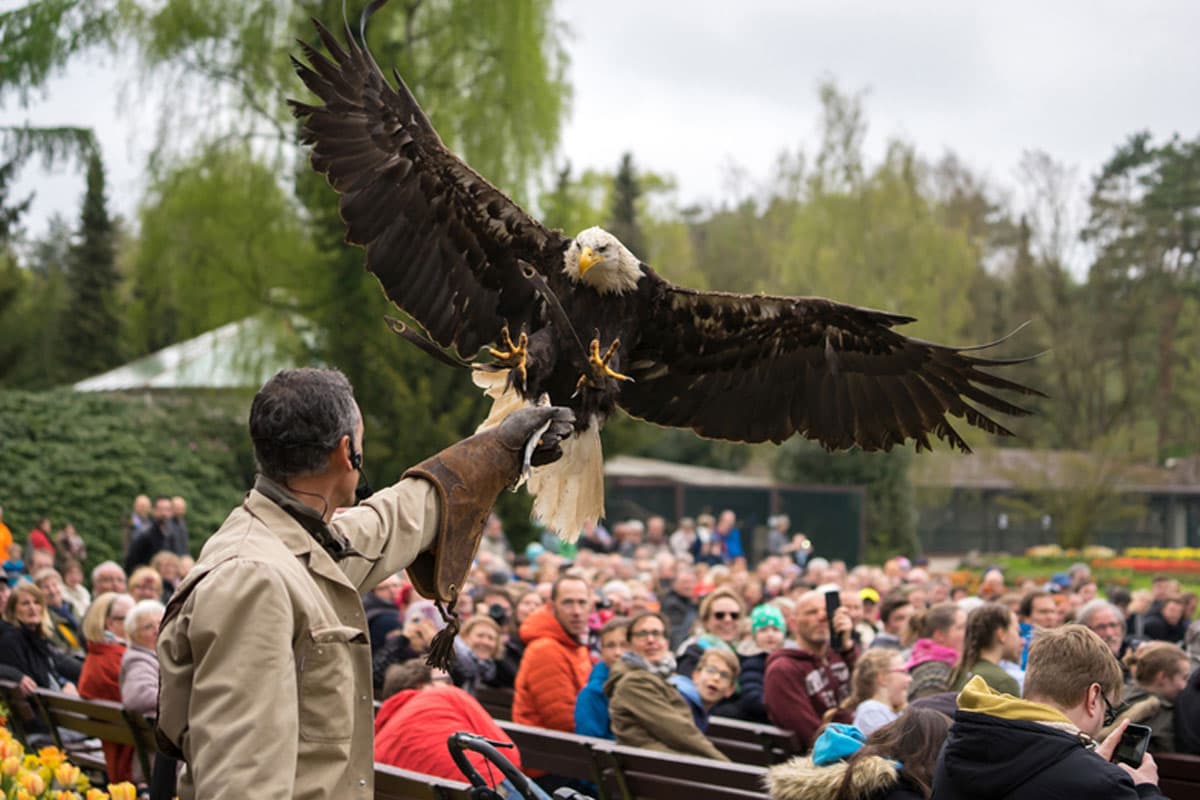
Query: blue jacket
[689, 692]
[591, 707]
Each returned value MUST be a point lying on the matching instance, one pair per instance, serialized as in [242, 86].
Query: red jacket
[38, 540]
[412, 727]
[798, 688]
[553, 670]
[100, 679]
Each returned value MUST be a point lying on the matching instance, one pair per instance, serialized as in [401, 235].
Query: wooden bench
[497, 702]
[556, 752]
[775, 745]
[1178, 775]
[98, 719]
[18, 707]
[393, 783]
[632, 773]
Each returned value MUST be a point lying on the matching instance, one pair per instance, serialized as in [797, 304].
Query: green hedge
[82, 458]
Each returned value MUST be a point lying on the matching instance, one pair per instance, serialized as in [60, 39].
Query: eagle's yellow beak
[587, 260]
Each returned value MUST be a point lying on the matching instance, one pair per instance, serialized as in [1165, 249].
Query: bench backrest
[1178, 774]
[393, 783]
[101, 719]
[497, 702]
[633, 772]
[776, 743]
[567, 754]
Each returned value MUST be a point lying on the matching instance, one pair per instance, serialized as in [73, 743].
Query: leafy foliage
[82, 458]
[91, 328]
[891, 517]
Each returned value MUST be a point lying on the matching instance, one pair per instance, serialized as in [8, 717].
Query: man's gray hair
[103, 565]
[297, 418]
[1089, 609]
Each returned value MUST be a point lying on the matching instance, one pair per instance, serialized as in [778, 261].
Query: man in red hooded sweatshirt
[556, 663]
[801, 683]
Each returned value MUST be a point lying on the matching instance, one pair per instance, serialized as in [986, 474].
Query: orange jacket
[553, 670]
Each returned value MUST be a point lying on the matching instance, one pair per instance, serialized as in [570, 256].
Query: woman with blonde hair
[100, 679]
[720, 621]
[878, 690]
[26, 642]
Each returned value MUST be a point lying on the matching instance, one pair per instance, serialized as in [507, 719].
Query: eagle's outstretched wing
[755, 368]
[443, 242]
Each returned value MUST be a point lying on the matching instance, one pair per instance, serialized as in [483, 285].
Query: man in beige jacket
[266, 662]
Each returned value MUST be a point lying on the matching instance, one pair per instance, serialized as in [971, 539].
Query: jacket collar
[299, 528]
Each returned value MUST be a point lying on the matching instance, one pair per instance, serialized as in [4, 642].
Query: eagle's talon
[599, 366]
[514, 357]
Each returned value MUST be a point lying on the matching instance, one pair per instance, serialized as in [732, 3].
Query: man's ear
[340, 455]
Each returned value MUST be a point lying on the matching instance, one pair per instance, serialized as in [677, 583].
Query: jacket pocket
[327, 684]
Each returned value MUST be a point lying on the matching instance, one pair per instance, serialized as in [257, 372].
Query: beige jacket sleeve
[389, 528]
[244, 671]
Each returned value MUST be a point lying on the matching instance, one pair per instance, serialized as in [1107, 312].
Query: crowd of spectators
[641, 634]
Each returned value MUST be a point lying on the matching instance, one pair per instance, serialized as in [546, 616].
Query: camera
[498, 613]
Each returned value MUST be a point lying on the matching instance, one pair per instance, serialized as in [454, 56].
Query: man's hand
[517, 427]
[27, 685]
[843, 628]
[1146, 772]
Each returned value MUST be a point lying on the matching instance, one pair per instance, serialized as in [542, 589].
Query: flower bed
[48, 775]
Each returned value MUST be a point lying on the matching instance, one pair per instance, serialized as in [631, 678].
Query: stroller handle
[462, 741]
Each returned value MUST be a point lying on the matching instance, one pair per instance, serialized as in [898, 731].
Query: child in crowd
[712, 681]
[591, 707]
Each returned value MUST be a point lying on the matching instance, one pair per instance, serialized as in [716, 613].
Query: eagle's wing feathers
[757, 367]
[442, 241]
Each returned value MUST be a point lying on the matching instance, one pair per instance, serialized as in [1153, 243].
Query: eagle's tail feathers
[570, 492]
[567, 493]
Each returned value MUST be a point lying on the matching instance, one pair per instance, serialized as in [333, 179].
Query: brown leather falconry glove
[468, 476]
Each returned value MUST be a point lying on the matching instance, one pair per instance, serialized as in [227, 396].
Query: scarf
[663, 669]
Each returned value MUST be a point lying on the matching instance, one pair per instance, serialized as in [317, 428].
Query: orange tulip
[96, 794]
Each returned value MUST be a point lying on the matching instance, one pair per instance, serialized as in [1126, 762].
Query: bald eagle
[583, 320]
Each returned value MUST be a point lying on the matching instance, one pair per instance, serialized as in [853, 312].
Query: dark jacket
[799, 687]
[991, 754]
[680, 612]
[144, 545]
[383, 617]
[1157, 628]
[30, 653]
[1187, 716]
[747, 703]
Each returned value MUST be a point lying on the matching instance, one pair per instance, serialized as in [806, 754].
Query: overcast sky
[692, 88]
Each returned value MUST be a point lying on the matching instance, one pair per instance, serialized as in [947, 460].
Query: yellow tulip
[10, 766]
[122, 791]
[23, 795]
[66, 774]
[32, 783]
[67, 796]
[96, 794]
[51, 757]
[30, 761]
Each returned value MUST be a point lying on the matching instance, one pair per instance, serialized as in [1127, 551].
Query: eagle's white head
[598, 259]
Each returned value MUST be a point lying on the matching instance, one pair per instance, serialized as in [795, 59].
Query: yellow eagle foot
[513, 356]
[599, 364]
